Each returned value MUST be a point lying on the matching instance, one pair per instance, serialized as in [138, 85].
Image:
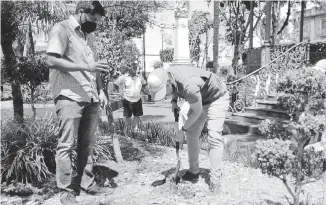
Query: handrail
[259, 69]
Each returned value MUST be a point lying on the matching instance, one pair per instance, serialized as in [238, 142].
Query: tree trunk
[235, 59]
[216, 26]
[251, 30]
[10, 59]
[115, 140]
[17, 101]
[32, 102]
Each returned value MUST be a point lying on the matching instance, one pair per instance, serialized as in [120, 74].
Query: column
[181, 35]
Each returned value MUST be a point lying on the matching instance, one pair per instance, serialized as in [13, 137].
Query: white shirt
[131, 86]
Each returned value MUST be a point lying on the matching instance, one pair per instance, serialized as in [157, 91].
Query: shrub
[166, 55]
[272, 129]
[302, 92]
[28, 150]
[274, 156]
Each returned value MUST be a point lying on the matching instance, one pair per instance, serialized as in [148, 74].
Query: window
[323, 26]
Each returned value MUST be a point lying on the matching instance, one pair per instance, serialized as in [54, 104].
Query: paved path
[156, 112]
[159, 112]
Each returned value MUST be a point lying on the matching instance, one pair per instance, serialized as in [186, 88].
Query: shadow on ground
[167, 174]
[104, 176]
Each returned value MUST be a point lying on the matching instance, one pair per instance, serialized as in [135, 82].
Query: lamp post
[162, 33]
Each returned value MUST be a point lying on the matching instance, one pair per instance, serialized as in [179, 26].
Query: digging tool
[175, 178]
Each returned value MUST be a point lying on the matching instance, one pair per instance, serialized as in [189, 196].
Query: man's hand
[175, 106]
[179, 136]
[103, 99]
[99, 66]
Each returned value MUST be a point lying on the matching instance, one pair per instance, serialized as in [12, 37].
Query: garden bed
[147, 163]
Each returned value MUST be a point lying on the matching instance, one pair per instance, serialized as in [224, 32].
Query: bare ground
[145, 164]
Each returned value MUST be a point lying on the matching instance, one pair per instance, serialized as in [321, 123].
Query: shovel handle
[176, 115]
[176, 119]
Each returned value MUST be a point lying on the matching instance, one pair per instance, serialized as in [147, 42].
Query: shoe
[214, 188]
[67, 198]
[189, 176]
[96, 189]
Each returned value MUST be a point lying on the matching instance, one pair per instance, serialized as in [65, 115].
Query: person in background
[78, 93]
[131, 84]
[206, 100]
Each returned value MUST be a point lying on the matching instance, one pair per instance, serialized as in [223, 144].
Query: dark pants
[132, 108]
[78, 123]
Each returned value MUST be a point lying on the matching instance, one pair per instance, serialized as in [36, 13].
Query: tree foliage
[130, 17]
[16, 16]
[124, 20]
[200, 23]
[294, 149]
[119, 52]
[235, 14]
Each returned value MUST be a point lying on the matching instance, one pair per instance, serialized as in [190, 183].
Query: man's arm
[55, 61]
[195, 111]
[57, 45]
[194, 99]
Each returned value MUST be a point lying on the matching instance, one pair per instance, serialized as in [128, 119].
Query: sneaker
[67, 198]
[189, 176]
[96, 189]
[214, 188]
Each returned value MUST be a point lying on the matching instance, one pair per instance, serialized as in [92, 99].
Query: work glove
[179, 137]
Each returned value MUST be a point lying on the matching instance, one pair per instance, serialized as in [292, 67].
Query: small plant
[33, 71]
[155, 133]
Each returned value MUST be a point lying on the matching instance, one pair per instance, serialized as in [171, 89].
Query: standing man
[207, 99]
[131, 84]
[78, 93]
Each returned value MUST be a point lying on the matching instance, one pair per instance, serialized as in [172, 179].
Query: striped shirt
[67, 40]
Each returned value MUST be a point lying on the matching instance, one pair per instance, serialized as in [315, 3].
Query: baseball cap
[156, 82]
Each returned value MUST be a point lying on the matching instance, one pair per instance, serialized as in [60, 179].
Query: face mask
[88, 26]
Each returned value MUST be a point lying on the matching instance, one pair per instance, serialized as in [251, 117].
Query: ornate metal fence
[261, 83]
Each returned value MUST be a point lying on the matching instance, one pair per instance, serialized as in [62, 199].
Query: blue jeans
[77, 124]
[214, 115]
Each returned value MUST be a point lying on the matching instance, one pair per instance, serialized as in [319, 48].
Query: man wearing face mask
[78, 93]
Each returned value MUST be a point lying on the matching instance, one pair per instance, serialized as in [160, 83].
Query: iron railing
[261, 83]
